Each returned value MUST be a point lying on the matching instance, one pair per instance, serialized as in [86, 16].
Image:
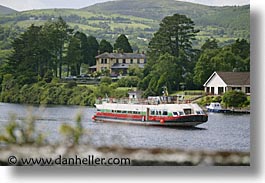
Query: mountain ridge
[6, 10]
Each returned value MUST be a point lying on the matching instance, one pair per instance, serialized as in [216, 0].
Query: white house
[220, 82]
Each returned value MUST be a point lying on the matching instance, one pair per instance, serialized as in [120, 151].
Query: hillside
[135, 18]
[151, 9]
[5, 10]
[228, 21]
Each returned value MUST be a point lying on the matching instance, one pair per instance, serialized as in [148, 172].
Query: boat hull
[186, 121]
[219, 110]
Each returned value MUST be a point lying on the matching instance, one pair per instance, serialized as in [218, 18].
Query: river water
[222, 132]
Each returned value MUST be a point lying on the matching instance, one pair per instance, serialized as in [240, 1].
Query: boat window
[187, 111]
[181, 113]
[118, 111]
[124, 111]
[98, 109]
[199, 112]
[152, 112]
[165, 113]
[175, 113]
[129, 112]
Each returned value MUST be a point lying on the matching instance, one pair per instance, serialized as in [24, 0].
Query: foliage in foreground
[25, 132]
[73, 133]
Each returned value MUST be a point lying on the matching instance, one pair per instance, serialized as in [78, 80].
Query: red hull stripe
[139, 117]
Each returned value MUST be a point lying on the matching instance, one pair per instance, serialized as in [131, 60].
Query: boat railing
[149, 101]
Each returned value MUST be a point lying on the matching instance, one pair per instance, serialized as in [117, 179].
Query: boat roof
[140, 107]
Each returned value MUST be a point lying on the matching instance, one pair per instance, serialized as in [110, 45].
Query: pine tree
[122, 43]
[105, 46]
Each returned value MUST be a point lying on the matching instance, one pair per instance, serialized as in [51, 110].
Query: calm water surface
[221, 132]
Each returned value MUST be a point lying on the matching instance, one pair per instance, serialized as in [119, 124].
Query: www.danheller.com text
[89, 160]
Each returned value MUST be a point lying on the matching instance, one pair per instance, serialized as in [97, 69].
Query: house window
[247, 90]
[106, 61]
[124, 61]
[131, 61]
[138, 61]
[117, 60]
[220, 90]
[237, 88]
[102, 61]
[207, 90]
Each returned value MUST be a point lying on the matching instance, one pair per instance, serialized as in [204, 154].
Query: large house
[220, 82]
[118, 62]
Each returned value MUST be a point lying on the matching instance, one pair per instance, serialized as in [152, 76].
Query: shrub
[234, 98]
[217, 99]
[106, 80]
[70, 84]
[129, 81]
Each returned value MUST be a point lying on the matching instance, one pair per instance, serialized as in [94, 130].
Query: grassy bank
[60, 93]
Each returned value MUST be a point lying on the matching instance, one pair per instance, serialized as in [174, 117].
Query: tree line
[47, 51]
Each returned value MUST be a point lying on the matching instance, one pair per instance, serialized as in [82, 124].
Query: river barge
[159, 114]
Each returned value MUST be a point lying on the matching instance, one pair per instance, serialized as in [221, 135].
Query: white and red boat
[188, 114]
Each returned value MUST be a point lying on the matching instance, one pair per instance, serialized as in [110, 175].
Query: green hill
[151, 9]
[221, 22]
[136, 18]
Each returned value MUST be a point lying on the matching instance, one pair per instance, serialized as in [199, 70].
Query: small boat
[216, 107]
[159, 114]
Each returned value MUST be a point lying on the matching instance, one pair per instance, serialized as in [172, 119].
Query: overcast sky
[21, 5]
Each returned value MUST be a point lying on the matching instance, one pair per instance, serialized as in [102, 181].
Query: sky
[21, 5]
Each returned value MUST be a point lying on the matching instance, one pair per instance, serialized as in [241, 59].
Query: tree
[210, 44]
[165, 72]
[58, 34]
[38, 51]
[211, 60]
[25, 62]
[122, 43]
[175, 34]
[74, 56]
[105, 46]
[170, 49]
[84, 46]
[241, 48]
[93, 48]
[204, 67]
